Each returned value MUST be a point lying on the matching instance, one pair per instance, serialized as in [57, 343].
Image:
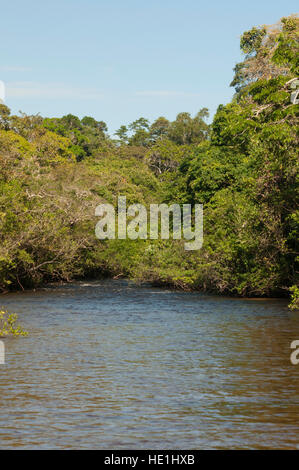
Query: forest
[243, 168]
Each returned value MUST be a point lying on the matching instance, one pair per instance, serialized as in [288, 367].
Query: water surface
[109, 365]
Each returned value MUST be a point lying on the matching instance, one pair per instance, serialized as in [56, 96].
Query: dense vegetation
[242, 167]
[9, 326]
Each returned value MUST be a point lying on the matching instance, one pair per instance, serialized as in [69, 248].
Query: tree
[159, 128]
[122, 134]
[91, 122]
[4, 117]
[186, 130]
[139, 124]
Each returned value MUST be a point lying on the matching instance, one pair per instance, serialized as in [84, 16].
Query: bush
[8, 326]
[294, 304]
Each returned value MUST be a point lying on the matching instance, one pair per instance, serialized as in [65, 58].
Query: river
[109, 365]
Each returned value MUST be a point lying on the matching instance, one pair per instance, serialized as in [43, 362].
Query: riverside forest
[242, 167]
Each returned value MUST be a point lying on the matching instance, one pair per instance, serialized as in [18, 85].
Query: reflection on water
[108, 365]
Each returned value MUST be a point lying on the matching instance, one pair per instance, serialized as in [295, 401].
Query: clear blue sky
[117, 60]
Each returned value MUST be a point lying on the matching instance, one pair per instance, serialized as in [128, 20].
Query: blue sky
[118, 60]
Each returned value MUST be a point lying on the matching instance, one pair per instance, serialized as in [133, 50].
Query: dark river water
[109, 365]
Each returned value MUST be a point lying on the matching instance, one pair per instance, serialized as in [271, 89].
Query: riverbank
[174, 286]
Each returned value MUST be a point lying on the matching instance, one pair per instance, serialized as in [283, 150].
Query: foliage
[294, 304]
[243, 168]
[85, 135]
[184, 130]
[270, 51]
